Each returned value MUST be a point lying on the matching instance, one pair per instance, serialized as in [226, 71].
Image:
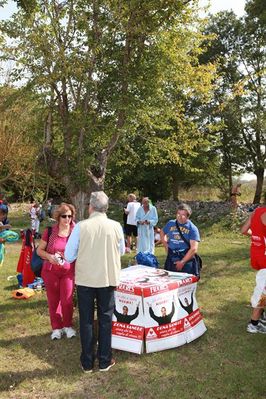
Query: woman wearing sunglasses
[57, 274]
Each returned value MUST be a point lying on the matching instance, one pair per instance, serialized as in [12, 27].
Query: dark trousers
[173, 256]
[105, 307]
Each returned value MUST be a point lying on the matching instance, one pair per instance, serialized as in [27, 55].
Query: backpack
[36, 261]
[147, 259]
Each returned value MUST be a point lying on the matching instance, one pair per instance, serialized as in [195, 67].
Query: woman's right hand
[52, 259]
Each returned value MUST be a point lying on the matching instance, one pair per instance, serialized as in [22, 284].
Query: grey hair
[132, 197]
[185, 207]
[99, 201]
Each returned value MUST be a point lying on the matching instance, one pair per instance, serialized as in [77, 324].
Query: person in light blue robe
[146, 218]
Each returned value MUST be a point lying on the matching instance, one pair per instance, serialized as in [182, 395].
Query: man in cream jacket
[96, 244]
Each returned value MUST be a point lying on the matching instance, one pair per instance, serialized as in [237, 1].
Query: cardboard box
[155, 310]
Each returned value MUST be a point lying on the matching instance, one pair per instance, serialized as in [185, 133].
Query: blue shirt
[188, 229]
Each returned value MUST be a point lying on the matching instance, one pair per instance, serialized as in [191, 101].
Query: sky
[215, 6]
[219, 5]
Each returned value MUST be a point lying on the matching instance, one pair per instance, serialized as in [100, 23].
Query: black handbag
[197, 261]
[36, 261]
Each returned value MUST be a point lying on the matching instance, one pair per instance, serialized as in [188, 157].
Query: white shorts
[258, 299]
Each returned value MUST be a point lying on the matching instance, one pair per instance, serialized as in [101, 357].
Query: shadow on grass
[222, 364]
[60, 360]
[22, 304]
[55, 356]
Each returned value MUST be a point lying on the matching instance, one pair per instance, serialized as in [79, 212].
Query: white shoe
[259, 328]
[56, 334]
[70, 332]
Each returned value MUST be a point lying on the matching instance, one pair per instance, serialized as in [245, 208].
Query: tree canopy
[239, 102]
[109, 69]
[121, 81]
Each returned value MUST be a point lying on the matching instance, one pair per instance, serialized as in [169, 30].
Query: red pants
[59, 284]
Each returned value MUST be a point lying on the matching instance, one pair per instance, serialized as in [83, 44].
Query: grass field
[225, 363]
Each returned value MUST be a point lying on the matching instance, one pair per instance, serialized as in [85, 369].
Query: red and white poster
[155, 310]
[128, 319]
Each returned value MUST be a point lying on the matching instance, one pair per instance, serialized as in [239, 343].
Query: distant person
[4, 208]
[42, 213]
[157, 236]
[96, 244]
[4, 222]
[164, 318]
[255, 226]
[235, 193]
[125, 317]
[125, 230]
[58, 274]
[124, 218]
[146, 218]
[50, 207]
[4, 205]
[34, 217]
[180, 253]
[4, 225]
[131, 224]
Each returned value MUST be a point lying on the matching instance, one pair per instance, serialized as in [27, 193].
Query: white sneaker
[56, 334]
[259, 328]
[70, 332]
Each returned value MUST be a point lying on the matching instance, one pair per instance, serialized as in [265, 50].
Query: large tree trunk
[80, 200]
[259, 186]
[80, 196]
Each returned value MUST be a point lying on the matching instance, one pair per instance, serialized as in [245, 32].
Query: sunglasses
[66, 216]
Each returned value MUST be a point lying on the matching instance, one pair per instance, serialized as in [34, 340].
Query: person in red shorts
[255, 226]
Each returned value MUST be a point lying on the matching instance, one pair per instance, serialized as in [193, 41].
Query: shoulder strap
[49, 228]
[183, 238]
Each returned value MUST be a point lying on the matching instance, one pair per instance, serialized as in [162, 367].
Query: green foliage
[23, 169]
[18, 125]
[110, 70]
[239, 103]
[256, 11]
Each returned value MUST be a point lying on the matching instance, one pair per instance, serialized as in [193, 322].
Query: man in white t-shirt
[131, 227]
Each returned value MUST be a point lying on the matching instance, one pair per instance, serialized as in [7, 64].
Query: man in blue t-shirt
[180, 248]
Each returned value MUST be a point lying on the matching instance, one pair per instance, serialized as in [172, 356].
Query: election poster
[155, 310]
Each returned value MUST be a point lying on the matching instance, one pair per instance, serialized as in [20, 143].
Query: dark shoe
[110, 365]
[86, 371]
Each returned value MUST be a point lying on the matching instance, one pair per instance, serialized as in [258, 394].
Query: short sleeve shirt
[189, 231]
[58, 244]
[132, 208]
